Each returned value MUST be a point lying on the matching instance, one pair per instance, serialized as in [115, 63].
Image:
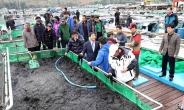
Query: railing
[7, 95]
[136, 91]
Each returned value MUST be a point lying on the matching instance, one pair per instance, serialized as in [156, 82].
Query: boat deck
[163, 93]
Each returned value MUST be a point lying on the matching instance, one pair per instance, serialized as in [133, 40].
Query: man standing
[69, 20]
[56, 29]
[38, 30]
[91, 48]
[128, 21]
[92, 21]
[75, 23]
[75, 43]
[49, 37]
[78, 14]
[120, 36]
[116, 15]
[84, 28]
[98, 27]
[135, 44]
[170, 18]
[47, 17]
[10, 23]
[29, 38]
[103, 54]
[169, 48]
[64, 33]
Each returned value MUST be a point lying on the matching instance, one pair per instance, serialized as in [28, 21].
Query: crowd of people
[113, 54]
[85, 38]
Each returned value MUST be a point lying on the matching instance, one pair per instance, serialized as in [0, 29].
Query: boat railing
[6, 84]
[138, 93]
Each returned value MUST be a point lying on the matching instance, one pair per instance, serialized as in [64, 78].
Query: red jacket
[136, 43]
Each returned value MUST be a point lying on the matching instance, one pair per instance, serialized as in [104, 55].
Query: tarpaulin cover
[155, 60]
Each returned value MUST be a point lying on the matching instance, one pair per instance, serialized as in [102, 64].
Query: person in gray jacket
[29, 37]
[120, 36]
[169, 48]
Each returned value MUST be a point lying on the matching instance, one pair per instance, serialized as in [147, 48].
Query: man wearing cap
[38, 30]
[98, 27]
[128, 21]
[84, 28]
[75, 43]
[116, 15]
[69, 20]
[47, 17]
[135, 44]
[56, 29]
[49, 37]
[64, 32]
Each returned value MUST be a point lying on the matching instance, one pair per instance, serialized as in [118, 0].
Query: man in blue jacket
[103, 54]
[170, 18]
[84, 28]
[69, 20]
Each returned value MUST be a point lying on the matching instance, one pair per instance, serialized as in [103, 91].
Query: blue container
[176, 30]
[181, 32]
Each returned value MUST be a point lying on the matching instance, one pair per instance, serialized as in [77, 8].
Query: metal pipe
[9, 83]
[145, 96]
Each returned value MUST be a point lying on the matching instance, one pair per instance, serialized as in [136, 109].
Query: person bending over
[122, 61]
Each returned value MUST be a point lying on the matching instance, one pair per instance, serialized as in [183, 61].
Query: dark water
[45, 89]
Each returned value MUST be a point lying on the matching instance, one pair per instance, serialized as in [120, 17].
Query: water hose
[63, 74]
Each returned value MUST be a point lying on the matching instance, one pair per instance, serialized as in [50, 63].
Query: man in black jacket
[75, 43]
[128, 21]
[49, 37]
[10, 23]
[38, 29]
[47, 17]
[78, 14]
[116, 15]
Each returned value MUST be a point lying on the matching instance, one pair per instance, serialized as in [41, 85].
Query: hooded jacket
[49, 38]
[75, 46]
[64, 32]
[56, 28]
[125, 60]
[38, 29]
[102, 58]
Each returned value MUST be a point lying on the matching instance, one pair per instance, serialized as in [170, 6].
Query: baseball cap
[63, 19]
[66, 12]
[132, 25]
[49, 24]
[38, 19]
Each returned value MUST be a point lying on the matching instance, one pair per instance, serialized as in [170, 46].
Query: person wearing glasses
[49, 37]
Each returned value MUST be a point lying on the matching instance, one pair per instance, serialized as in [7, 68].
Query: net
[153, 59]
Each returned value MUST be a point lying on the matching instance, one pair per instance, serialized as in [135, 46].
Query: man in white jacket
[122, 61]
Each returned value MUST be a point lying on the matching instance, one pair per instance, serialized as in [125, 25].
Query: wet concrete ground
[45, 89]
